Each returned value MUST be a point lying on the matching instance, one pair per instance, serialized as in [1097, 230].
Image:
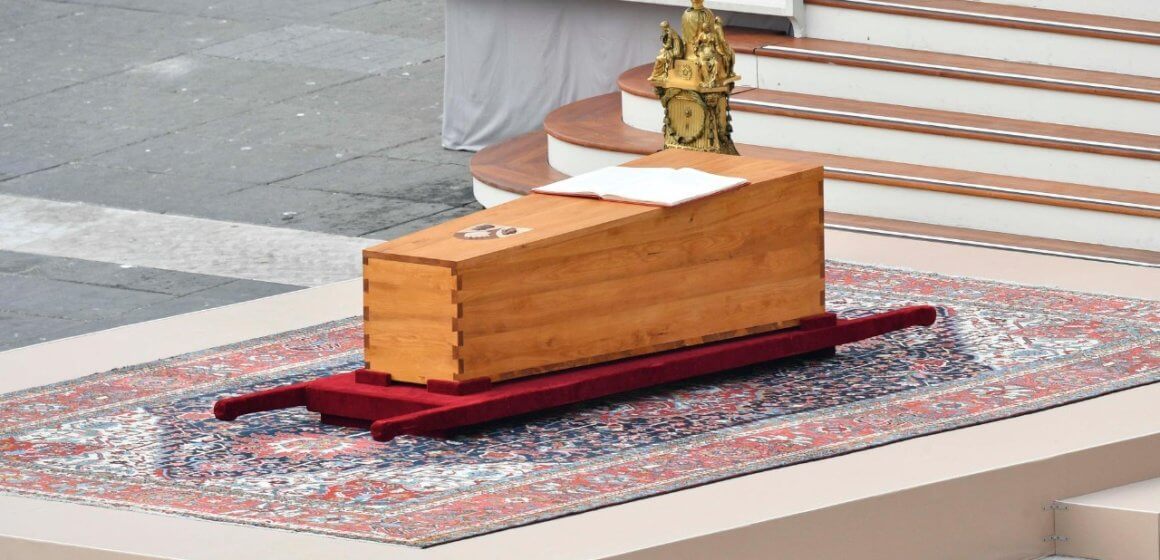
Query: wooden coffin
[568, 281]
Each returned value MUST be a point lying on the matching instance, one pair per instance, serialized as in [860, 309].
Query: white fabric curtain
[510, 62]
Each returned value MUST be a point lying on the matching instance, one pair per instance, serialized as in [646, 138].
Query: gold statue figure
[693, 76]
[724, 50]
[671, 49]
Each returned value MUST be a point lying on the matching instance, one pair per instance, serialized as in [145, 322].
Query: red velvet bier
[366, 398]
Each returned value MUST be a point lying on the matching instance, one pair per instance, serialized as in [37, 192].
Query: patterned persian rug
[144, 437]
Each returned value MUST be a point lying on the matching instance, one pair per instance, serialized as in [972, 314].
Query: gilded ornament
[693, 76]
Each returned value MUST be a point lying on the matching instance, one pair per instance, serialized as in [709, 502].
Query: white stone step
[958, 27]
[961, 84]
[923, 139]
[1134, 9]
[1121, 523]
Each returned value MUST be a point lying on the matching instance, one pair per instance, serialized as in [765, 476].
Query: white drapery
[510, 62]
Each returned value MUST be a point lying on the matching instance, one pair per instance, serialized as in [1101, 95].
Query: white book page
[659, 186]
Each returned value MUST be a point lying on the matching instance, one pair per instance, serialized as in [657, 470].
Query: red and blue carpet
[145, 437]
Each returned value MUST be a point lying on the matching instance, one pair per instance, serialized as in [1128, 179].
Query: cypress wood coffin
[545, 283]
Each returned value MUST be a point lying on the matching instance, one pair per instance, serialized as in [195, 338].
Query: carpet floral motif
[144, 437]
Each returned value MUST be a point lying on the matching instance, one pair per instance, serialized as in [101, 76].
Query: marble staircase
[1022, 146]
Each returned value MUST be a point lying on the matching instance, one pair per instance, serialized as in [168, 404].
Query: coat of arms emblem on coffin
[693, 76]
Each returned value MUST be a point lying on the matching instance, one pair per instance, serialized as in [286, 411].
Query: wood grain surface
[409, 311]
[596, 280]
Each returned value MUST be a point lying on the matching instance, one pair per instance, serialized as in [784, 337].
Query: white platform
[970, 493]
[1121, 523]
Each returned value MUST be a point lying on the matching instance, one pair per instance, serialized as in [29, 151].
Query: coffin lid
[550, 218]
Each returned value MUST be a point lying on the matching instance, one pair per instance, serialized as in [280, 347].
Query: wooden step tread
[516, 163]
[532, 170]
[596, 123]
[930, 121]
[962, 67]
[746, 40]
[1036, 19]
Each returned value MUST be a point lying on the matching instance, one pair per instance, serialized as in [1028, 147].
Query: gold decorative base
[697, 121]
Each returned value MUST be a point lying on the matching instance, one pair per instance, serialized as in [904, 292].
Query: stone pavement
[164, 156]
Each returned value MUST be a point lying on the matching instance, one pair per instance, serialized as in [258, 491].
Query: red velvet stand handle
[271, 399]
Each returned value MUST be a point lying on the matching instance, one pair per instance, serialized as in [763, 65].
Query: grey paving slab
[14, 87]
[17, 13]
[45, 298]
[21, 330]
[214, 157]
[92, 41]
[29, 68]
[121, 188]
[109, 101]
[148, 35]
[418, 181]
[428, 149]
[109, 275]
[307, 10]
[334, 213]
[414, 92]
[421, 19]
[244, 10]
[346, 132]
[328, 47]
[424, 222]
[224, 294]
[259, 83]
[19, 263]
[42, 297]
[235, 250]
[30, 143]
[29, 220]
